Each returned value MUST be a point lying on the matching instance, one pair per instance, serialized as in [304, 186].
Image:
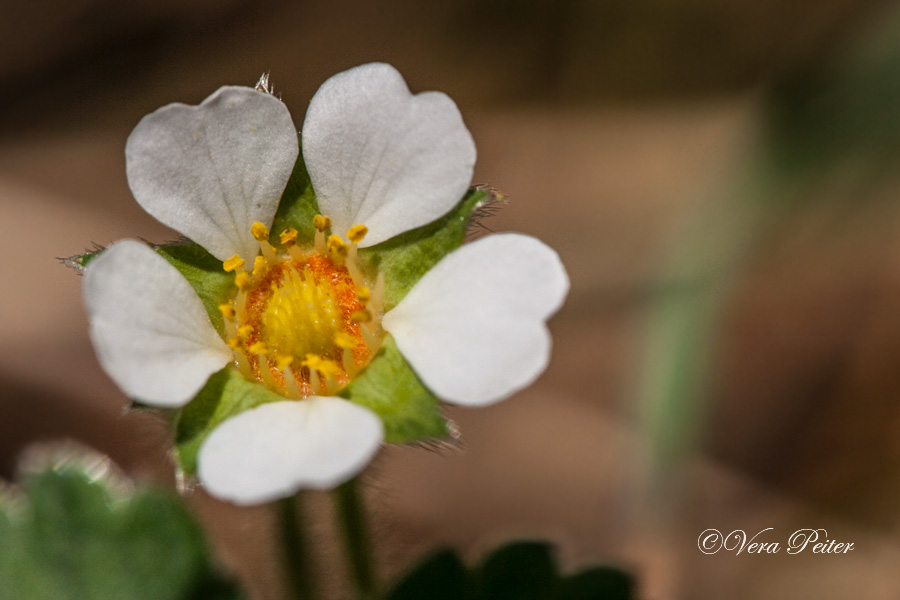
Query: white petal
[473, 327]
[274, 450]
[379, 156]
[211, 171]
[150, 330]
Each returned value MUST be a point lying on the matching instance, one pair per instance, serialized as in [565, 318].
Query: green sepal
[405, 258]
[524, 570]
[67, 535]
[226, 394]
[298, 206]
[389, 387]
[205, 274]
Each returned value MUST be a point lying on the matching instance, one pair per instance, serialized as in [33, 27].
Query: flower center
[304, 321]
[304, 312]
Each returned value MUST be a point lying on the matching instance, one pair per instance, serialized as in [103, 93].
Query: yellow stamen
[344, 340]
[361, 316]
[259, 232]
[268, 378]
[364, 295]
[242, 280]
[283, 361]
[227, 311]
[296, 253]
[259, 265]
[321, 222]
[233, 343]
[245, 330]
[337, 245]
[328, 368]
[235, 262]
[356, 233]
[315, 385]
[289, 237]
[349, 364]
[258, 348]
[312, 361]
[290, 384]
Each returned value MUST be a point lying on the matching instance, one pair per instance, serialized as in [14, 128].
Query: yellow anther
[233, 343]
[364, 295]
[321, 222]
[258, 348]
[242, 280]
[235, 262]
[227, 311]
[245, 330]
[283, 362]
[260, 232]
[312, 361]
[361, 316]
[259, 265]
[288, 237]
[356, 233]
[328, 368]
[344, 340]
[337, 245]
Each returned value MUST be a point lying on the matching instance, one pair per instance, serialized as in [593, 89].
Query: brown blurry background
[727, 356]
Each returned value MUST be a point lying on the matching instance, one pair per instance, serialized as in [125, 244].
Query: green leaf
[405, 258]
[518, 571]
[298, 206]
[440, 577]
[389, 387]
[226, 394]
[70, 538]
[600, 582]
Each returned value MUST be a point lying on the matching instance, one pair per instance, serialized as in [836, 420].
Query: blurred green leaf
[839, 107]
[439, 577]
[599, 582]
[522, 570]
[68, 537]
[518, 571]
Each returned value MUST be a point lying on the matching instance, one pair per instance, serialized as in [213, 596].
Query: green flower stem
[298, 563]
[357, 546]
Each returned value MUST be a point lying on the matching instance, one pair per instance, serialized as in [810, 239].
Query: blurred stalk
[832, 126]
[298, 563]
[357, 546]
[683, 324]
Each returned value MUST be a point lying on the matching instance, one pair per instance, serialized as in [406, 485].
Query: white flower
[304, 321]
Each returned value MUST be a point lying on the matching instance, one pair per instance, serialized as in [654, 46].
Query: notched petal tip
[473, 327]
[210, 171]
[380, 156]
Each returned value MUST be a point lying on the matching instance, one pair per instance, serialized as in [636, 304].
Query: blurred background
[719, 178]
